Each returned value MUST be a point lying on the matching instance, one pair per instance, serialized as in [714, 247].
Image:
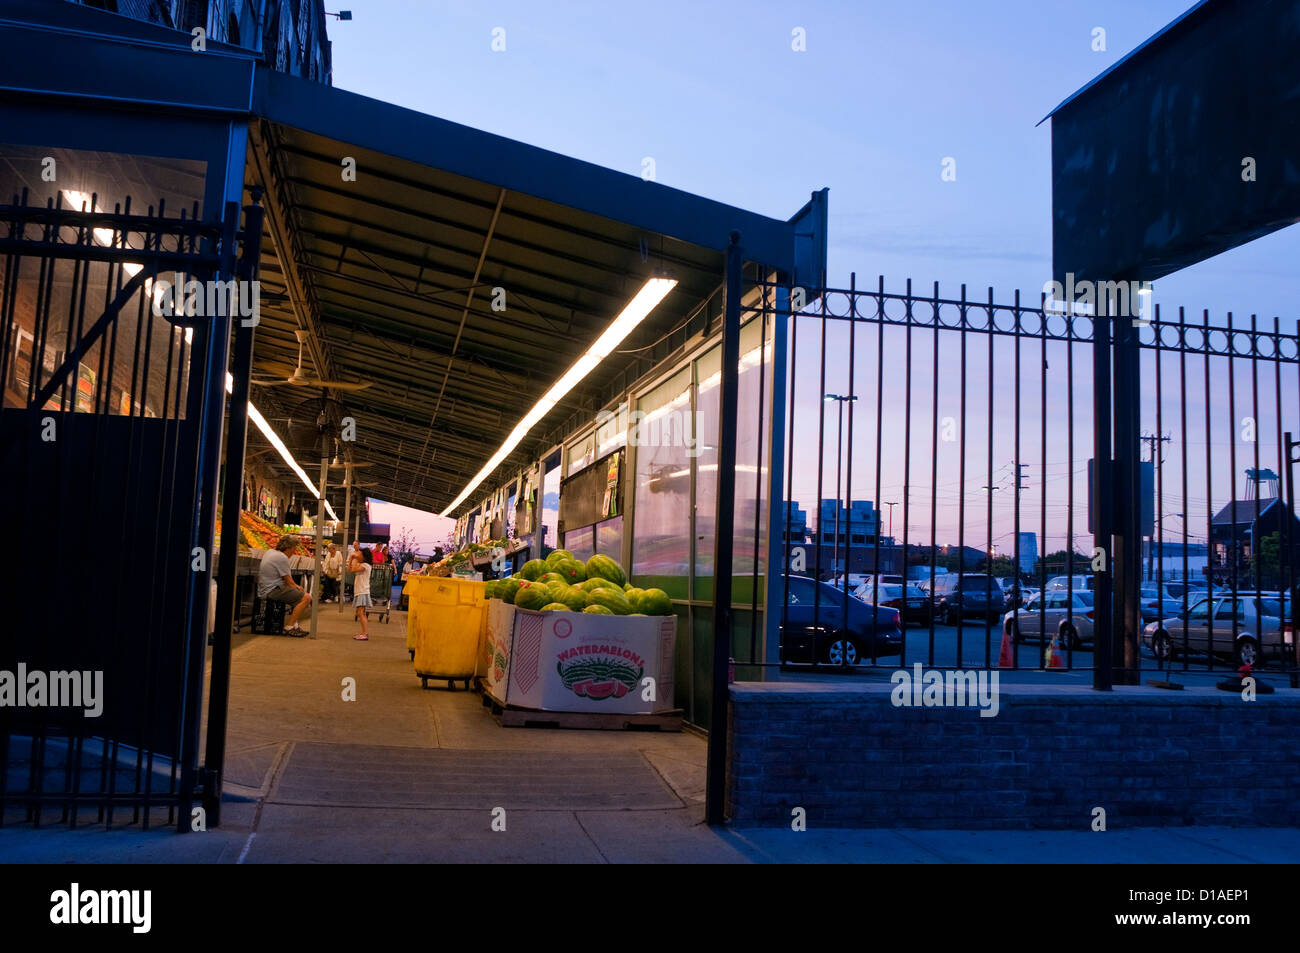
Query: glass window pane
[661, 555]
[579, 542]
[551, 504]
[750, 534]
[609, 539]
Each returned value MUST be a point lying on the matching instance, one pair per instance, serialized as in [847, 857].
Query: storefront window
[581, 454]
[662, 524]
[609, 538]
[580, 542]
[550, 503]
[611, 431]
[751, 464]
[511, 497]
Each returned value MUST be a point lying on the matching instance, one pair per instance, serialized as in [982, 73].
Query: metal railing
[973, 419]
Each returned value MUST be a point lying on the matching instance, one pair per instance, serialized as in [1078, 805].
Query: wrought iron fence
[973, 418]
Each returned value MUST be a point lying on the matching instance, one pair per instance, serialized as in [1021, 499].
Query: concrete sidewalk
[403, 774]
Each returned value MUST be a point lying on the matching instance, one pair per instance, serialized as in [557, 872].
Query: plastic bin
[448, 619]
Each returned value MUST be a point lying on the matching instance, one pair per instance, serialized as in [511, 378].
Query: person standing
[360, 567]
[275, 584]
[333, 571]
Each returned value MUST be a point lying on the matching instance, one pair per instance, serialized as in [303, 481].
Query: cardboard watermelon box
[573, 661]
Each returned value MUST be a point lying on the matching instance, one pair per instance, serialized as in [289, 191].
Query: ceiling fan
[301, 378]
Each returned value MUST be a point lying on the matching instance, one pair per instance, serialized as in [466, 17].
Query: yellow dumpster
[409, 588]
[448, 617]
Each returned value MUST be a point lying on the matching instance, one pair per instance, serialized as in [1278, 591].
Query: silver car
[1072, 620]
[1224, 626]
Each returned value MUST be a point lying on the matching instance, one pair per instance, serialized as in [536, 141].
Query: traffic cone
[1052, 657]
[1006, 657]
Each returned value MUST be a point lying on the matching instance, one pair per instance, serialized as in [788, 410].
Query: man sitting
[275, 584]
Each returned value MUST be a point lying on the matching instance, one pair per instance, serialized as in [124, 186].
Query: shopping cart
[381, 590]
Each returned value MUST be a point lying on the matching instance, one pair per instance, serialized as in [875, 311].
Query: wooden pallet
[511, 716]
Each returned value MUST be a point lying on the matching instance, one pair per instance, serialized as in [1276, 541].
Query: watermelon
[611, 599]
[556, 556]
[572, 570]
[655, 602]
[532, 569]
[507, 588]
[549, 577]
[490, 589]
[606, 568]
[555, 607]
[594, 609]
[596, 582]
[574, 598]
[558, 590]
[533, 596]
[634, 596]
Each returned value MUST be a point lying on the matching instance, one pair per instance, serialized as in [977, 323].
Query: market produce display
[605, 568]
[542, 585]
[463, 560]
[256, 533]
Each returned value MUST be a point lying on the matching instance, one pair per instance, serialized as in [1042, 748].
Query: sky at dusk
[883, 93]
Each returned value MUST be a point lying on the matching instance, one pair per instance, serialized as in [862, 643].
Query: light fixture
[274, 440]
[636, 311]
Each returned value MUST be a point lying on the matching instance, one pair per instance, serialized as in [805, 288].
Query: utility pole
[1021, 477]
[891, 518]
[1151, 440]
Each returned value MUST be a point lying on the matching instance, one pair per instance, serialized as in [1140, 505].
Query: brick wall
[1050, 756]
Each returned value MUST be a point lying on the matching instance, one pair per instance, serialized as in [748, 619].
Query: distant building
[859, 523]
[1028, 552]
[1239, 529]
[796, 524]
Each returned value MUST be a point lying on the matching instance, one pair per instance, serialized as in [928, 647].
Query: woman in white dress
[359, 564]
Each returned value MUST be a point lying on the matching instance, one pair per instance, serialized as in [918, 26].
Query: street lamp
[891, 519]
[839, 464]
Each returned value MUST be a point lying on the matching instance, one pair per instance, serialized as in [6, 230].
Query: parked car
[815, 627]
[914, 607]
[1159, 603]
[1196, 590]
[1082, 583]
[1017, 596]
[866, 591]
[1247, 628]
[1054, 612]
[975, 594]
[855, 580]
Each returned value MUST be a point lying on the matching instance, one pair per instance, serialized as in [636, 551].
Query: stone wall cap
[791, 692]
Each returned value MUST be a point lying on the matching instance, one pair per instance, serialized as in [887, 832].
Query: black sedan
[813, 628]
[915, 607]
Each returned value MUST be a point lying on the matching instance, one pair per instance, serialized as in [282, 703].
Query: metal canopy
[395, 276]
[1147, 159]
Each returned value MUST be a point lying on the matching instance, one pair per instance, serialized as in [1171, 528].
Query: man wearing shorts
[275, 584]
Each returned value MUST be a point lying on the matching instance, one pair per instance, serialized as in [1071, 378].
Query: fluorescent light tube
[636, 311]
[274, 440]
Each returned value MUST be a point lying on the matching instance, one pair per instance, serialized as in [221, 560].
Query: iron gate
[111, 432]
